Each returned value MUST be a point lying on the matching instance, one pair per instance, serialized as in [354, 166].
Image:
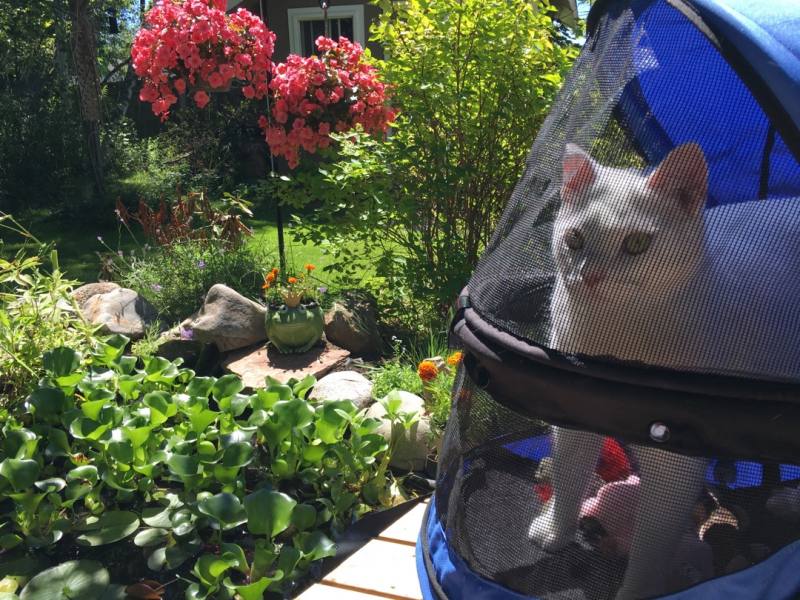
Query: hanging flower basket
[193, 47]
[316, 95]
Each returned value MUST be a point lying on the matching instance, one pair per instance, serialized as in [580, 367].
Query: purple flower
[201, 264]
[322, 289]
[156, 287]
[187, 333]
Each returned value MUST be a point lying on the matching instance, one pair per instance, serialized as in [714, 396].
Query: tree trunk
[84, 58]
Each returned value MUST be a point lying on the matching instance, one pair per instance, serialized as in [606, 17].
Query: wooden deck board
[385, 568]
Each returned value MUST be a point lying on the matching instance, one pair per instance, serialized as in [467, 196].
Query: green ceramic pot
[293, 330]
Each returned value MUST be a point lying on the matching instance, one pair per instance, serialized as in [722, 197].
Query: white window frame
[312, 13]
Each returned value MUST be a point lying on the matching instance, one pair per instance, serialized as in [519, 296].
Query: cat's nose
[592, 278]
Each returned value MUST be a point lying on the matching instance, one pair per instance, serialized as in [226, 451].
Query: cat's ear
[683, 175]
[580, 171]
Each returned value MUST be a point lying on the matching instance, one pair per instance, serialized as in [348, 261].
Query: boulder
[351, 324]
[180, 343]
[120, 311]
[412, 446]
[228, 320]
[83, 293]
[344, 385]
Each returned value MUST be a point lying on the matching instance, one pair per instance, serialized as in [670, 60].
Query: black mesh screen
[657, 222]
[498, 474]
[653, 231]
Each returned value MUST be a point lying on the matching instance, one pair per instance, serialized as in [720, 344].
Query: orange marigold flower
[292, 280]
[265, 286]
[455, 358]
[427, 371]
[309, 267]
[270, 277]
[275, 271]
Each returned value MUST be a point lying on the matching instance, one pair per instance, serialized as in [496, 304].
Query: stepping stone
[253, 365]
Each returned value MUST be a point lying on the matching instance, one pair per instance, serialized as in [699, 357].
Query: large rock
[120, 311]
[412, 446]
[180, 343]
[83, 293]
[344, 385]
[351, 324]
[228, 320]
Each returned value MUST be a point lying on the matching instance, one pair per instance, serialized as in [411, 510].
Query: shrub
[473, 81]
[37, 312]
[247, 487]
[175, 278]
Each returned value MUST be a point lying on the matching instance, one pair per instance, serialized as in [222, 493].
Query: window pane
[311, 29]
[346, 28]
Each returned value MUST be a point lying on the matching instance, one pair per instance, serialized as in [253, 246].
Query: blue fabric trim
[777, 578]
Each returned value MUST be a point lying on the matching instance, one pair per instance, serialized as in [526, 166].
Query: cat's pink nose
[593, 278]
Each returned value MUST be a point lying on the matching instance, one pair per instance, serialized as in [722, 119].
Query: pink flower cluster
[193, 46]
[335, 91]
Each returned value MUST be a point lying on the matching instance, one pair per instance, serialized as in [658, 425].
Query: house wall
[278, 21]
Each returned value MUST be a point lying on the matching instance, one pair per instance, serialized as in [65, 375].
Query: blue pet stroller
[714, 83]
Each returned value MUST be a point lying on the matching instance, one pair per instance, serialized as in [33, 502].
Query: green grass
[77, 245]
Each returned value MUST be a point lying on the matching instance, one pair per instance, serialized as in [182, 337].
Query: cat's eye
[573, 239]
[636, 243]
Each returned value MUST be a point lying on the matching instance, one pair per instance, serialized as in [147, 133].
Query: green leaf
[268, 512]
[295, 413]
[108, 528]
[236, 555]
[225, 508]
[237, 455]
[130, 386]
[226, 387]
[61, 362]
[83, 473]
[48, 403]
[152, 536]
[302, 387]
[58, 444]
[200, 387]
[21, 473]
[9, 541]
[161, 407]
[183, 465]
[314, 545]
[158, 517]
[201, 418]
[288, 559]
[87, 429]
[54, 484]
[137, 435]
[73, 580]
[209, 568]
[121, 451]
[304, 516]
[255, 590]
[91, 410]
[332, 420]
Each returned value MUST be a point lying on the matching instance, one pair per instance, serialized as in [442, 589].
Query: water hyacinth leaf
[178, 554]
[137, 435]
[86, 473]
[207, 452]
[108, 528]
[268, 512]
[114, 592]
[235, 404]
[265, 399]
[87, 429]
[333, 420]
[302, 387]
[58, 444]
[315, 545]
[237, 455]
[54, 484]
[21, 473]
[304, 516]
[158, 516]
[255, 590]
[157, 559]
[201, 418]
[200, 387]
[152, 536]
[121, 451]
[288, 559]
[209, 568]
[68, 581]
[91, 410]
[61, 362]
[130, 386]
[48, 403]
[295, 413]
[43, 541]
[161, 407]
[184, 466]
[127, 364]
[226, 386]
[314, 452]
[226, 475]
[8, 585]
[235, 554]
[20, 443]
[225, 508]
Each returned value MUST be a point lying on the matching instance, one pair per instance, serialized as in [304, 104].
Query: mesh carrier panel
[656, 229]
[495, 477]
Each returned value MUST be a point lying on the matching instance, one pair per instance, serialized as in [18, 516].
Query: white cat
[644, 273]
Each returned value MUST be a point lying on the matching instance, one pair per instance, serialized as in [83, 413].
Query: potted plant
[294, 321]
